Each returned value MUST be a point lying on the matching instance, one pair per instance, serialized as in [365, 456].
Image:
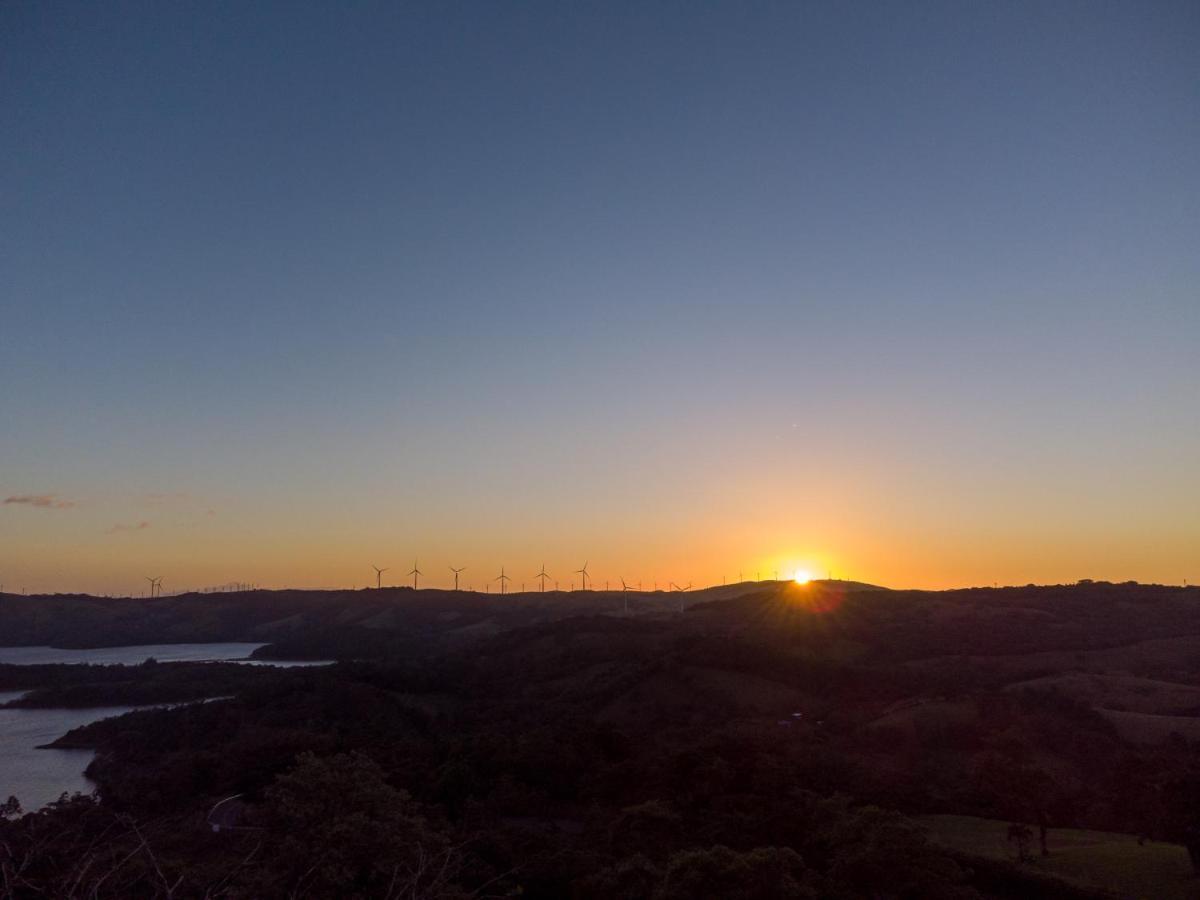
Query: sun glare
[802, 577]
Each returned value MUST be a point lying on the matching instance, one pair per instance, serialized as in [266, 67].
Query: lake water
[37, 777]
[130, 656]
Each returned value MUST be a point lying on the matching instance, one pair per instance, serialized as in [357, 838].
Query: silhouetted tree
[1020, 836]
[1020, 789]
[879, 853]
[633, 878]
[339, 829]
[1182, 812]
[766, 873]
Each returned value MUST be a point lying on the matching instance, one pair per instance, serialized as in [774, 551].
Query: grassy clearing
[1093, 859]
[1126, 693]
[1140, 728]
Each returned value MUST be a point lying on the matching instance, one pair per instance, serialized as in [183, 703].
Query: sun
[802, 577]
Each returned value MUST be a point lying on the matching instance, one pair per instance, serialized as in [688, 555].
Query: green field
[1094, 859]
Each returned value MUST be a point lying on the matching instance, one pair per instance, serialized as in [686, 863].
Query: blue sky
[907, 290]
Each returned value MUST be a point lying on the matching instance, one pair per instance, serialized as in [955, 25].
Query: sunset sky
[909, 292]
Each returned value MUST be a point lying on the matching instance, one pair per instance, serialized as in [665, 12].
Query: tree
[339, 829]
[1182, 812]
[633, 878]
[879, 853]
[650, 827]
[1021, 789]
[765, 873]
[1020, 836]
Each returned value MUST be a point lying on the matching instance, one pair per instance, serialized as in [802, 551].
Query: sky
[909, 293]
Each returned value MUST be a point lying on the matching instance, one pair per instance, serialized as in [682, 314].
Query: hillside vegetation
[772, 739]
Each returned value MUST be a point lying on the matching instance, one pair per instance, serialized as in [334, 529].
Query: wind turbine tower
[583, 573]
[414, 573]
[503, 579]
[625, 589]
[378, 576]
[542, 576]
[456, 571]
[681, 590]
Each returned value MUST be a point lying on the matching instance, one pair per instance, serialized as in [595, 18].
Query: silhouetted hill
[314, 623]
[843, 620]
[554, 737]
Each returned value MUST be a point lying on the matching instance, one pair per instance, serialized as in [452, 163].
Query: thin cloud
[41, 501]
[162, 497]
[140, 526]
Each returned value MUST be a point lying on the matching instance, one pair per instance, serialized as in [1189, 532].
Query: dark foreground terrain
[769, 740]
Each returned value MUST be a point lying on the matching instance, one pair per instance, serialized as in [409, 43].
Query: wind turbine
[378, 575]
[502, 578]
[414, 573]
[681, 591]
[542, 576]
[155, 586]
[584, 573]
[625, 589]
[456, 571]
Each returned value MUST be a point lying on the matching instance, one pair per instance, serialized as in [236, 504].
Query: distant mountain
[368, 622]
[403, 622]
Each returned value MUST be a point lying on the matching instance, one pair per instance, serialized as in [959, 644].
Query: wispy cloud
[167, 497]
[42, 501]
[119, 527]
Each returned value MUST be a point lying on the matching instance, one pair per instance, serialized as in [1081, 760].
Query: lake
[37, 777]
[236, 651]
